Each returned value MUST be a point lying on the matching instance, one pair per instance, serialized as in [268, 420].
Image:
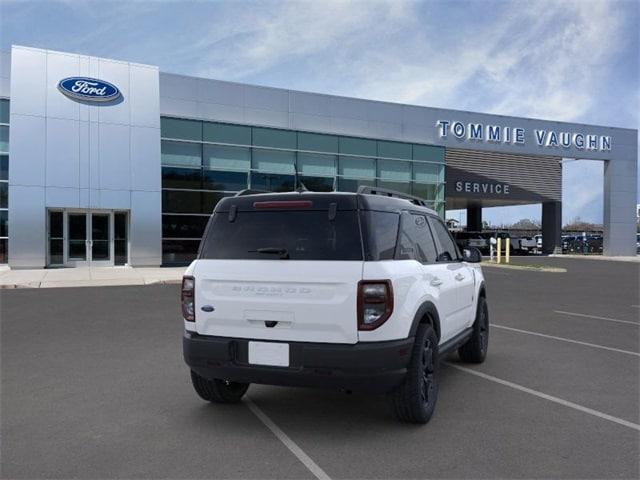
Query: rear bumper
[371, 367]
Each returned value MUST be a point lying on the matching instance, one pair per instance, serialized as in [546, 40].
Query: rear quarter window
[303, 235]
[381, 234]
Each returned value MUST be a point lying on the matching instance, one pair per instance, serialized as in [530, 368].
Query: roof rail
[385, 192]
[249, 191]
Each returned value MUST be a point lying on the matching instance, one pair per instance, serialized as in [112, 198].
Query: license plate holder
[273, 354]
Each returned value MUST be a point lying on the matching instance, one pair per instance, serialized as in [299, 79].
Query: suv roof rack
[385, 192]
[250, 191]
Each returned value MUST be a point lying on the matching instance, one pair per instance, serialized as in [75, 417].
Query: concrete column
[552, 227]
[474, 218]
[620, 198]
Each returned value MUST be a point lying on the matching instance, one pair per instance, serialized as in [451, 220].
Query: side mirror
[471, 255]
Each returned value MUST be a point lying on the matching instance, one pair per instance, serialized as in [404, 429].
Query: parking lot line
[290, 444]
[609, 319]
[563, 339]
[545, 396]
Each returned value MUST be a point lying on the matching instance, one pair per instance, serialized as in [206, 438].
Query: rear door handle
[459, 277]
[436, 282]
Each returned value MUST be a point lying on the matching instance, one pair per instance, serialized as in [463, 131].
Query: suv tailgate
[287, 300]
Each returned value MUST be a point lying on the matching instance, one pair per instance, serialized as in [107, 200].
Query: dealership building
[107, 162]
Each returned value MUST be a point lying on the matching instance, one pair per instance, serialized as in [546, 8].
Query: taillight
[375, 303]
[188, 299]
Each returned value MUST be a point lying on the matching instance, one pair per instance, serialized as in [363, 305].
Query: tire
[218, 391]
[475, 349]
[415, 399]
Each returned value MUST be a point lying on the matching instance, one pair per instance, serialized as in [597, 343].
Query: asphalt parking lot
[93, 386]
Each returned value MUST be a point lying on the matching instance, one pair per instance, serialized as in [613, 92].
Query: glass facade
[4, 180]
[203, 162]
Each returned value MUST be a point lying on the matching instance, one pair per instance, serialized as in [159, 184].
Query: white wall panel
[146, 228]
[29, 81]
[214, 91]
[144, 97]
[27, 140]
[145, 155]
[115, 156]
[62, 197]
[59, 66]
[271, 118]
[118, 74]
[223, 113]
[63, 153]
[115, 199]
[266, 98]
[28, 226]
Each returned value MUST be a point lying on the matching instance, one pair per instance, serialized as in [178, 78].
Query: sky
[558, 60]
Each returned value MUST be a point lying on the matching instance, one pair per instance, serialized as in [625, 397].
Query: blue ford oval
[89, 89]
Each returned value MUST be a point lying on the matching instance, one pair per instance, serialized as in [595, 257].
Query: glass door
[100, 242]
[77, 240]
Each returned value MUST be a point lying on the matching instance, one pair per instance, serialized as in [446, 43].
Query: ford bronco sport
[355, 291]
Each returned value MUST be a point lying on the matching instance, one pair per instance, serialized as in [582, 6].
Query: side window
[448, 251]
[382, 228]
[416, 242]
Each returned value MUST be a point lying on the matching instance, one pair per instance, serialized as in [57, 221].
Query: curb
[63, 284]
[525, 267]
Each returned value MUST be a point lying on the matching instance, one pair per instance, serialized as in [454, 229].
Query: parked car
[355, 291]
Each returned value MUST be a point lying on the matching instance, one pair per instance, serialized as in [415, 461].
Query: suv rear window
[275, 235]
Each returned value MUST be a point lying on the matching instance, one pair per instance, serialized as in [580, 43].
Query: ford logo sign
[89, 89]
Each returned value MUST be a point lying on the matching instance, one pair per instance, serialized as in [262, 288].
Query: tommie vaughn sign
[478, 132]
[88, 89]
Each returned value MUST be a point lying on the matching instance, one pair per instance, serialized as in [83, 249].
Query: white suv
[355, 291]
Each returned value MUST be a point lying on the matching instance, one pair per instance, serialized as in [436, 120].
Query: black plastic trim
[455, 342]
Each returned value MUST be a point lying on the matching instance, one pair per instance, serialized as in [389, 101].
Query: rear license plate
[269, 353]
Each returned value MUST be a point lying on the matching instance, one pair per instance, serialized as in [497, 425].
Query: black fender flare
[427, 309]
[482, 291]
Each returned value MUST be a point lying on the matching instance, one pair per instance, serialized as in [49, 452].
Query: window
[394, 171]
[4, 223]
[382, 234]
[314, 164]
[224, 133]
[447, 249]
[180, 153]
[317, 184]
[358, 146]
[182, 129]
[303, 235]
[184, 226]
[274, 161]
[227, 158]
[427, 153]
[4, 111]
[357, 167]
[351, 185]
[272, 182]
[4, 167]
[394, 150]
[176, 201]
[228, 181]
[179, 252]
[4, 139]
[190, 178]
[317, 143]
[120, 244]
[416, 242]
[4, 195]
[428, 172]
[271, 137]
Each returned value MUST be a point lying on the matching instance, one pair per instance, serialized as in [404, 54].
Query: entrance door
[87, 238]
[100, 244]
[77, 240]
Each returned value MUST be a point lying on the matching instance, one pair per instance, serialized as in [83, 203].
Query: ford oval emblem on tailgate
[207, 308]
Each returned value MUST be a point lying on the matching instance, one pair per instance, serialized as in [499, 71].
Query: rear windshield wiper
[283, 252]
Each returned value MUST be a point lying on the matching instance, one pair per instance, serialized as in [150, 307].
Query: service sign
[88, 89]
